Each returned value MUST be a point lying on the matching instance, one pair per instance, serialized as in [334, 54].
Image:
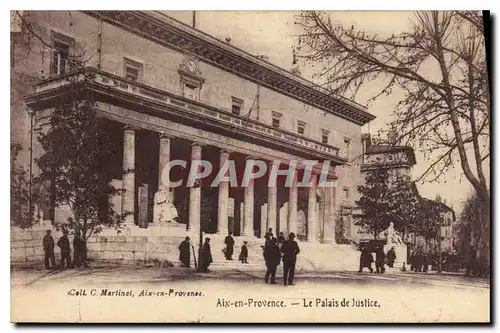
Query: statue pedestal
[400, 252]
[168, 229]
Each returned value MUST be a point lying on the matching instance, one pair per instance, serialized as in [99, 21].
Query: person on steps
[244, 253]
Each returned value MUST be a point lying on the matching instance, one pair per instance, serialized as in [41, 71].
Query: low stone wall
[135, 248]
[27, 246]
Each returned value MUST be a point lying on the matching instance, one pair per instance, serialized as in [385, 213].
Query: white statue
[391, 235]
[164, 210]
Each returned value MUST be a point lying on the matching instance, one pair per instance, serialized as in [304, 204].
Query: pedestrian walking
[63, 244]
[229, 242]
[272, 256]
[290, 250]
[365, 260]
[244, 253]
[379, 260]
[48, 248]
[184, 253]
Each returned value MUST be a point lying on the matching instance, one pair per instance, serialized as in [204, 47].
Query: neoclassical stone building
[171, 92]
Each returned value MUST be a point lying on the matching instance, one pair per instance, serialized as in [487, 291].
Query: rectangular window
[301, 127]
[347, 147]
[276, 119]
[324, 136]
[61, 53]
[190, 91]
[132, 70]
[346, 193]
[237, 106]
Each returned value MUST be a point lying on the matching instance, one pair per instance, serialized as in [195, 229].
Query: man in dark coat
[379, 260]
[269, 233]
[418, 261]
[272, 256]
[425, 262]
[206, 256]
[365, 260]
[184, 253]
[63, 243]
[391, 257]
[290, 249]
[229, 241]
[244, 253]
[77, 250]
[281, 239]
[48, 248]
[412, 261]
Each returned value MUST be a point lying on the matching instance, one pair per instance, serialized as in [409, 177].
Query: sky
[272, 34]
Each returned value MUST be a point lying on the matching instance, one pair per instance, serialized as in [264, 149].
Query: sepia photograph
[250, 166]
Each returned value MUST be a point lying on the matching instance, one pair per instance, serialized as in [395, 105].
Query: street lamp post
[439, 248]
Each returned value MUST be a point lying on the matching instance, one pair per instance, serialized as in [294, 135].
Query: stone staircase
[312, 257]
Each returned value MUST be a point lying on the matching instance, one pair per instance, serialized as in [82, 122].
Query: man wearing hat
[290, 249]
[48, 248]
[63, 243]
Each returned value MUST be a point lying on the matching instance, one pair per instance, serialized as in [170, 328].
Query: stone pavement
[109, 273]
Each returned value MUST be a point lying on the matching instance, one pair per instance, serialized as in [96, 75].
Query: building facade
[170, 92]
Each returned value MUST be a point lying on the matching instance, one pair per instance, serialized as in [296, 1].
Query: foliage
[430, 218]
[20, 213]
[439, 65]
[76, 150]
[340, 229]
[374, 202]
[473, 231]
[387, 198]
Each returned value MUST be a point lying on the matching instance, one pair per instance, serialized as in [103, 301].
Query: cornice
[119, 91]
[166, 31]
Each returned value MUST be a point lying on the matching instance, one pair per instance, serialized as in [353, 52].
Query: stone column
[329, 215]
[292, 206]
[222, 220]
[312, 221]
[195, 196]
[248, 206]
[128, 177]
[272, 206]
[164, 158]
[263, 220]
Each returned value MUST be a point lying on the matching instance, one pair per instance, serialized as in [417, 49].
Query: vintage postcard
[250, 167]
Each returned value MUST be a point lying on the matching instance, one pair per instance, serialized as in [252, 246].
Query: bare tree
[439, 63]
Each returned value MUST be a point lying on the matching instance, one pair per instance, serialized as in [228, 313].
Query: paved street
[139, 274]
[398, 296]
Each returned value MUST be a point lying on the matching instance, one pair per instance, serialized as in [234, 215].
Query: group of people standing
[419, 262]
[277, 249]
[205, 254]
[366, 259]
[79, 250]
